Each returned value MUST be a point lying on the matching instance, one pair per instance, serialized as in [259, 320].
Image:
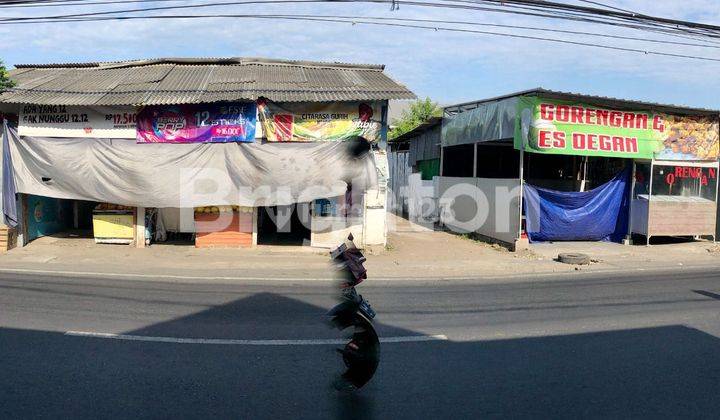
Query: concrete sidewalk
[411, 254]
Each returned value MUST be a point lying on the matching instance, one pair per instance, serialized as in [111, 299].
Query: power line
[363, 21]
[69, 3]
[408, 2]
[597, 3]
[604, 12]
[531, 8]
[607, 12]
[593, 15]
[436, 21]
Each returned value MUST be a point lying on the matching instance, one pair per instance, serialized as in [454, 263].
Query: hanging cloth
[598, 215]
[9, 204]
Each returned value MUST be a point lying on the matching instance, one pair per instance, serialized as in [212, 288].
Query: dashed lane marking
[223, 341]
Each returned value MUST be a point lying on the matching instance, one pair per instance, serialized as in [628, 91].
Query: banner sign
[568, 128]
[77, 121]
[197, 123]
[678, 174]
[320, 122]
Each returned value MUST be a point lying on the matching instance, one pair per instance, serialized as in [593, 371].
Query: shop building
[554, 166]
[414, 160]
[213, 152]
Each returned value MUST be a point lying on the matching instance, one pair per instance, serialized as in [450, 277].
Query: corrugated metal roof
[181, 80]
[616, 103]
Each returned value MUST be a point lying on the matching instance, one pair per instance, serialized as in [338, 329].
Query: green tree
[5, 81]
[419, 112]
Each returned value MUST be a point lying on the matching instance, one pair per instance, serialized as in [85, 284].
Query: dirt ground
[411, 253]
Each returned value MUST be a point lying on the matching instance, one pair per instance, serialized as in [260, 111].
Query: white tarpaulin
[186, 175]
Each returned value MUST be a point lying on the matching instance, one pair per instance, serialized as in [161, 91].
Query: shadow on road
[671, 371]
[707, 294]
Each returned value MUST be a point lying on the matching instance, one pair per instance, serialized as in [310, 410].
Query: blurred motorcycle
[362, 354]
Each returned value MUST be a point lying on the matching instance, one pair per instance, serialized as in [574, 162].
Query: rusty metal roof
[415, 132]
[183, 80]
[615, 103]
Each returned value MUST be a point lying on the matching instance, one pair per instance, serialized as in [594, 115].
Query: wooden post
[140, 227]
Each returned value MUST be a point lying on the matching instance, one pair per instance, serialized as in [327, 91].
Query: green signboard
[569, 128]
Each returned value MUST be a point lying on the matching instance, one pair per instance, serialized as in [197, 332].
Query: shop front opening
[284, 225]
[576, 198]
[48, 216]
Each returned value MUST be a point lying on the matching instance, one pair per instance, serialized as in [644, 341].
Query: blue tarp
[9, 206]
[598, 215]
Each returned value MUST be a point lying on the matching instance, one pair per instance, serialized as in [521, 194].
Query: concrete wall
[486, 206]
[341, 228]
[375, 226]
[422, 201]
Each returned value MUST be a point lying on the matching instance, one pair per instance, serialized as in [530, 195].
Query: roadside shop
[584, 167]
[227, 152]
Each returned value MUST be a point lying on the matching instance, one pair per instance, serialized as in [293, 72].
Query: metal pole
[475, 152]
[717, 166]
[628, 237]
[442, 158]
[650, 191]
[522, 186]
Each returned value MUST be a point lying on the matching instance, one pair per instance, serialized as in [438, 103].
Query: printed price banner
[320, 122]
[77, 121]
[197, 123]
[567, 128]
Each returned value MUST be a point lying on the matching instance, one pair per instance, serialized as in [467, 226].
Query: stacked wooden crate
[8, 238]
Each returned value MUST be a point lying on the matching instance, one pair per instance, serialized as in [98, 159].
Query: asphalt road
[592, 347]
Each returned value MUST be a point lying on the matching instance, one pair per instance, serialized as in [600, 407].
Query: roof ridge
[200, 80]
[205, 61]
[623, 103]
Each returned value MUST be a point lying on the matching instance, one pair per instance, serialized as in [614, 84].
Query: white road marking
[222, 341]
[95, 274]
[521, 277]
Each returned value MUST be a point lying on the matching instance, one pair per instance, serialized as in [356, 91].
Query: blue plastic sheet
[598, 215]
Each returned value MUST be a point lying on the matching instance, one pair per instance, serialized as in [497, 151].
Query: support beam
[140, 227]
[649, 206]
[76, 216]
[521, 175]
[442, 159]
[255, 227]
[475, 155]
[628, 237]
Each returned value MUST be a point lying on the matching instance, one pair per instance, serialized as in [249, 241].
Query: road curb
[269, 278]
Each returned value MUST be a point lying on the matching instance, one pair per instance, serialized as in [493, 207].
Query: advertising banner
[568, 128]
[197, 123]
[77, 121]
[320, 122]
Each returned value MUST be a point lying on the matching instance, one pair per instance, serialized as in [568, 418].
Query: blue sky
[448, 67]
